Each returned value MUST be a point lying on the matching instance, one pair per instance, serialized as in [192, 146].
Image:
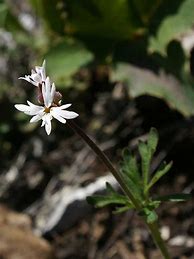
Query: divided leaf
[113, 198]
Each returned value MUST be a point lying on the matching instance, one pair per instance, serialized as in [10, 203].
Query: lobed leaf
[173, 26]
[140, 82]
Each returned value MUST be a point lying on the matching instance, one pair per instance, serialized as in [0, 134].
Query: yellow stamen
[47, 109]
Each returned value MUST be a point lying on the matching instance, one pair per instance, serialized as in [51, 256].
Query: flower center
[47, 109]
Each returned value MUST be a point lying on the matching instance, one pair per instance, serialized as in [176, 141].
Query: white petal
[47, 92]
[65, 114]
[53, 90]
[23, 108]
[65, 106]
[43, 123]
[43, 73]
[36, 78]
[57, 116]
[47, 120]
[30, 109]
[28, 79]
[36, 118]
[35, 109]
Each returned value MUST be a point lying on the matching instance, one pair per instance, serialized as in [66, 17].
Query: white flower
[49, 110]
[38, 75]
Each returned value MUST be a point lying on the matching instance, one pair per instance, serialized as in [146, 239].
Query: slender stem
[152, 226]
[106, 161]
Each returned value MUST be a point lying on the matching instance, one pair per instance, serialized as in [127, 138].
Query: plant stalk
[152, 226]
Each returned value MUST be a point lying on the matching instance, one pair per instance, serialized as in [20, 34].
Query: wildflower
[49, 109]
[38, 75]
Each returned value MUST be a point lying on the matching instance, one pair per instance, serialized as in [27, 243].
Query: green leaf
[100, 201]
[173, 26]
[65, 59]
[145, 157]
[130, 173]
[129, 167]
[144, 82]
[135, 188]
[122, 209]
[161, 172]
[152, 141]
[174, 197]
[111, 198]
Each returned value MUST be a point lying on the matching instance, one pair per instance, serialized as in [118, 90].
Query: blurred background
[126, 65]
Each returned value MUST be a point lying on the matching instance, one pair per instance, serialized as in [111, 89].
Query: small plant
[139, 180]
[135, 181]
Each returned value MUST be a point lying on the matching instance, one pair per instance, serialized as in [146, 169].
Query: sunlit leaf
[144, 82]
[65, 59]
[173, 26]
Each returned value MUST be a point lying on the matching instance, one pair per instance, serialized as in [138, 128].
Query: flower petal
[36, 118]
[57, 116]
[29, 79]
[35, 109]
[65, 114]
[23, 108]
[65, 106]
[47, 92]
[30, 109]
[47, 123]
